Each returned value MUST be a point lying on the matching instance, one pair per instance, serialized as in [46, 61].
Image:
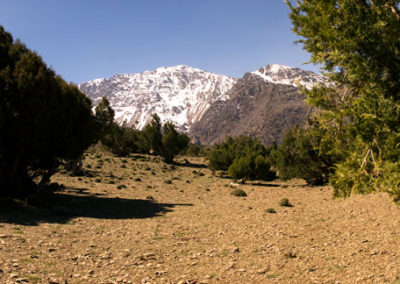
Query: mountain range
[207, 106]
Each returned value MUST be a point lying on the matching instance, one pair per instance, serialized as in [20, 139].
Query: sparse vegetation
[238, 192]
[285, 203]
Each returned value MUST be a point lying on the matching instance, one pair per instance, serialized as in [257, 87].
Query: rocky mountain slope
[180, 94]
[207, 106]
[263, 104]
[256, 108]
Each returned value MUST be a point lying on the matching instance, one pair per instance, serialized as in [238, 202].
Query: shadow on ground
[263, 184]
[191, 165]
[61, 208]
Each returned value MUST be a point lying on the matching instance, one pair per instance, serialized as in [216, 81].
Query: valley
[138, 220]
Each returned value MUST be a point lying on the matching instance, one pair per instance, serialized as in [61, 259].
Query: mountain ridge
[180, 94]
[197, 102]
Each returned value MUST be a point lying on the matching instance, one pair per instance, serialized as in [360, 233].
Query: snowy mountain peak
[180, 94]
[281, 74]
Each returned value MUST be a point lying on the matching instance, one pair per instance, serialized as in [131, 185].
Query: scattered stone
[13, 275]
[159, 273]
[290, 254]
[263, 270]
[145, 280]
[231, 265]
[235, 249]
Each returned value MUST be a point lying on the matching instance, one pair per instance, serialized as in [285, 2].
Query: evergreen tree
[43, 120]
[358, 44]
[172, 142]
[121, 140]
[152, 136]
[104, 116]
[298, 156]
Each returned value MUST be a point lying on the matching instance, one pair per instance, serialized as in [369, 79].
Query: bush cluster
[242, 157]
[155, 138]
[298, 156]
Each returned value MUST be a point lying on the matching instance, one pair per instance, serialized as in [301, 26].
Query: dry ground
[107, 229]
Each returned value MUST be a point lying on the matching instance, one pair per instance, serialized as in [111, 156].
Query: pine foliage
[43, 119]
[358, 44]
[298, 156]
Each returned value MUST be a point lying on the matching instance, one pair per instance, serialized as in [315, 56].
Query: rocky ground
[138, 220]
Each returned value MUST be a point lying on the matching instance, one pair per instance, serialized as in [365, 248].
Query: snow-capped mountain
[281, 74]
[180, 94]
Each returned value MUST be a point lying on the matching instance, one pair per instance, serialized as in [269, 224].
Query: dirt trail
[108, 229]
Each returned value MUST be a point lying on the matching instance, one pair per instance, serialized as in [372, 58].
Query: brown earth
[195, 231]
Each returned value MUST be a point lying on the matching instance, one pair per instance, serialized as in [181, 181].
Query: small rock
[159, 273]
[13, 275]
[230, 265]
[235, 249]
[263, 270]
[145, 280]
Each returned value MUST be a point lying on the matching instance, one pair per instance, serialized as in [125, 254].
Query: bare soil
[138, 220]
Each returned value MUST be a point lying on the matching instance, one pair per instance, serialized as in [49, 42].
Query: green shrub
[194, 150]
[298, 157]
[239, 192]
[251, 167]
[243, 157]
[285, 203]
[270, 210]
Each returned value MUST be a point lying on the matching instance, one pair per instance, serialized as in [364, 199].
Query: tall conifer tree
[358, 44]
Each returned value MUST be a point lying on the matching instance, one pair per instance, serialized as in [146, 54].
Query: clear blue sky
[87, 39]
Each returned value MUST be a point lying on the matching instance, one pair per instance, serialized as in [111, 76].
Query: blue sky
[87, 39]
